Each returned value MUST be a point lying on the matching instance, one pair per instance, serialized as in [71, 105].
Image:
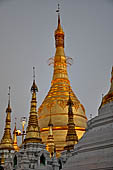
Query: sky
[27, 40]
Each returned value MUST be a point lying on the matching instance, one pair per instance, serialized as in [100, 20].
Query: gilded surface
[57, 98]
[6, 141]
[32, 131]
[50, 146]
[109, 96]
[71, 137]
[15, 139]
[2, 160]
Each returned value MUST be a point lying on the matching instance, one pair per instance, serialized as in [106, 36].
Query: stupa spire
[33, 131]
[7, 142]
[15, 138]
[57, 97]
[60, 64]
[109, 96]
[59, 33]
[71, 137]
[9, 108]
[50, 140]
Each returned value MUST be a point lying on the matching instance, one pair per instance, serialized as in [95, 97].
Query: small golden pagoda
[15, 139]
[71, 137]
[109, 96]
[57, 98]
[33, 131]
[6, 141]
[50, 146]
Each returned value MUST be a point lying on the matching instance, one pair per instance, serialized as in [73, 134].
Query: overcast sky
[27, 39]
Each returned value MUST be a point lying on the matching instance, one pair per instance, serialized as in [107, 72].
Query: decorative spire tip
[8, 108]
[9, 96]
[58, 10]
[34, 87]
[33, 73]
[15, 120]
[70, 102]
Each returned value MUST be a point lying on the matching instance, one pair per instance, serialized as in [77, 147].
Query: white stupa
[95, 149]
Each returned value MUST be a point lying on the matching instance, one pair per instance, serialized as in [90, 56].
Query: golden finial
[34, 87]
[9, 95]
[8, 108]
[33, 73]
[59, 34]
[59, 28]
[58, 11]
[70, 102]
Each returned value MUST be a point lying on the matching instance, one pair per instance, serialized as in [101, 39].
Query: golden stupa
[57, 98]
[7, 141]
[71, 137]
[15, 139]
[33, 131]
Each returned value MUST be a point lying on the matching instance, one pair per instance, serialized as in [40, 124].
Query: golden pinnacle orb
[57, 98]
